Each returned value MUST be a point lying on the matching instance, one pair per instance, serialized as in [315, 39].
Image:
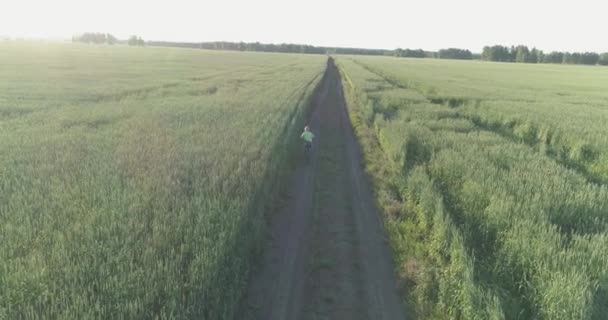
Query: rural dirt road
[326, 256]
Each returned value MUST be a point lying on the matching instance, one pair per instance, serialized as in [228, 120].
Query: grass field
[134, 181]
[493, 178]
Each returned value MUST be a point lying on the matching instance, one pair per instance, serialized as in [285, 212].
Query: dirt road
[326, 256]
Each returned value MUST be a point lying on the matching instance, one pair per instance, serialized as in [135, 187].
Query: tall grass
[485, 223]
[135, 180]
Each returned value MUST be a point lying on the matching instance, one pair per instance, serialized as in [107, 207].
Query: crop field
[139, 183]
[134, 181]
[493, 179]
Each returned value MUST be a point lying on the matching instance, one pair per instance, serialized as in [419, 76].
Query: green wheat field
[135, 183]
[494, 182]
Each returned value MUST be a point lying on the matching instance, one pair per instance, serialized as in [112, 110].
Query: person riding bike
[307, 136]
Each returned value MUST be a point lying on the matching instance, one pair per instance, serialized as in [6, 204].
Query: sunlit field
[134, 181]
[493, 178]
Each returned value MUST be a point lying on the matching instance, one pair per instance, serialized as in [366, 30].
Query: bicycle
[307, 136]
[307, 152]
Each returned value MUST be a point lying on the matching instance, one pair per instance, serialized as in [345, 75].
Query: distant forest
[523, 54]
[519, 54]
[106, 38]
[261, 47]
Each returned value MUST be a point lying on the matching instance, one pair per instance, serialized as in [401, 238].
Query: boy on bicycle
[307, 136]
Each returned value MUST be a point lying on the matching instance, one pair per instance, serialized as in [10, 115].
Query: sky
[386, 24]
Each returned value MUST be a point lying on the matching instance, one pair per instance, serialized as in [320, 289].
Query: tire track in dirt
[327, 256]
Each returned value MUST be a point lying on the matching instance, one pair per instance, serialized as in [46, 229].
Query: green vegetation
[134, 182]
[493, 178]
[454, 53]
[267, 47]
[136, 41]
[520, 53]
[96, 38]
[523, 54]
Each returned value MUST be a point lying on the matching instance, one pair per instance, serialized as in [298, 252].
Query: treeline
[500, 53]
[451, 53]
[263, 47]
[106, 38]
[242, 46]
[95, 37]
[454, 53]
[136, 41]
[410, 53]
[523, 54]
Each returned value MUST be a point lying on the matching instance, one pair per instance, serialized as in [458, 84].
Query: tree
[111, 39]
[486, 53]
[536, 56]
[521, 53]
[497, 53]
[554, 57]
[95, 37]
[136, 41]
[589, 58]
[454, 53]
[603, 60]
[572, 58]
[408, 53]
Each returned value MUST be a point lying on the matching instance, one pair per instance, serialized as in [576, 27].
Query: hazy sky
[432, 24]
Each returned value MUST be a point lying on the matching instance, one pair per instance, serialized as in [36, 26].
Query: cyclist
[307, 136]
